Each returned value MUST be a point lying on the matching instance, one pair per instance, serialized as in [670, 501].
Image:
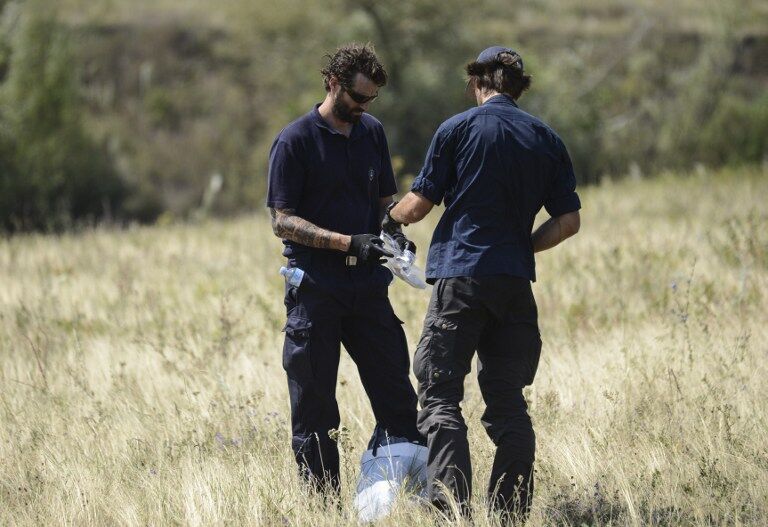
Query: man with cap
[494, 166]
[330, 178]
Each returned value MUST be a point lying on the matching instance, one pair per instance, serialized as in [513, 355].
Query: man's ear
[334, 84]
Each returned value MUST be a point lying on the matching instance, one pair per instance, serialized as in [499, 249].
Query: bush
[52, 173]
[737, 132]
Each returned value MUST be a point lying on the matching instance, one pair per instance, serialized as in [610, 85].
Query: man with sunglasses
[495, 166]
[330, 179]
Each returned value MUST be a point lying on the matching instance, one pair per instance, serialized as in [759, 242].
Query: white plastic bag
[390, 467]
[402, 264]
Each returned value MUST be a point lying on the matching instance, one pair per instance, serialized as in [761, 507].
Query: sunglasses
[359, 98]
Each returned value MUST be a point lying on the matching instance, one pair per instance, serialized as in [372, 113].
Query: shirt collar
[358, 129]
[501, 98]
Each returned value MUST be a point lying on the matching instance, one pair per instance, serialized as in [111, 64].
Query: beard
[343, 112]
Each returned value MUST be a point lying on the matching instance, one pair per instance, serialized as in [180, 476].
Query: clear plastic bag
[403, 263]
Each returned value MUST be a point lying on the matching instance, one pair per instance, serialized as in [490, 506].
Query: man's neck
[487, 95]
[326, 112]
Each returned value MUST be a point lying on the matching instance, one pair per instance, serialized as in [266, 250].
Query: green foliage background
[51, 171]
[127, 110]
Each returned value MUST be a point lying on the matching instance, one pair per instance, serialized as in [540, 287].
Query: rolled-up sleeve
[562, 197]
[439, 168]
[286, 176]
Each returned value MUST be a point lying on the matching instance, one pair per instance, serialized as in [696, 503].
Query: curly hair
[503, 74]
[351, 59]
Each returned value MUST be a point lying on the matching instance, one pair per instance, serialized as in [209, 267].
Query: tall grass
[142, 379]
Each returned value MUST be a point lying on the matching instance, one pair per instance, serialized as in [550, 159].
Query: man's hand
[404, 243]
[389, 225]
[394, 229]
[368, 248]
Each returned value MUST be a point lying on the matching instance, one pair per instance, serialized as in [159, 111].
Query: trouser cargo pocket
[435, 360]
[296, 350]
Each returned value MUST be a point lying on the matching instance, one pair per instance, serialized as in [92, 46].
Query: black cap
[490, 54]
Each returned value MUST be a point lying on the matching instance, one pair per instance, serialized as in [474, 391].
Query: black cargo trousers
[334, 305]
[497, 317]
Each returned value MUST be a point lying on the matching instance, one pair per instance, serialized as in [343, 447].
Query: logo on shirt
[370, 174]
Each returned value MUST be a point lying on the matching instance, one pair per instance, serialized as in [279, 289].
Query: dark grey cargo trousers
[497, 317]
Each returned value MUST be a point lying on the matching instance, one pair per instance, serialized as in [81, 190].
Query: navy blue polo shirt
[495, 166]
[329, 179]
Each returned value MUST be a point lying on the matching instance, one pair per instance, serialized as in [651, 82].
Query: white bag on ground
[391, 465]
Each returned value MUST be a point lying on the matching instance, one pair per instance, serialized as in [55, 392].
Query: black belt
[331, 258]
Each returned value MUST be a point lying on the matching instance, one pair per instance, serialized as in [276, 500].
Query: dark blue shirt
[329, 179]
[495, 166]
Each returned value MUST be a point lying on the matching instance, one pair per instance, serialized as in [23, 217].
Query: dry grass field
[142, 380]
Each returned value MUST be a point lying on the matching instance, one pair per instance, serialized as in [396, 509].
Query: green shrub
[737, 132]
[53, 174]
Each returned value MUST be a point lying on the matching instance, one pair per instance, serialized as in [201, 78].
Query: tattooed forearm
[285, 224]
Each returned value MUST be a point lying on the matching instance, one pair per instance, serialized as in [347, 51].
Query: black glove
[368, 248]
[404, 243]
[389, 225]
[393, 228]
